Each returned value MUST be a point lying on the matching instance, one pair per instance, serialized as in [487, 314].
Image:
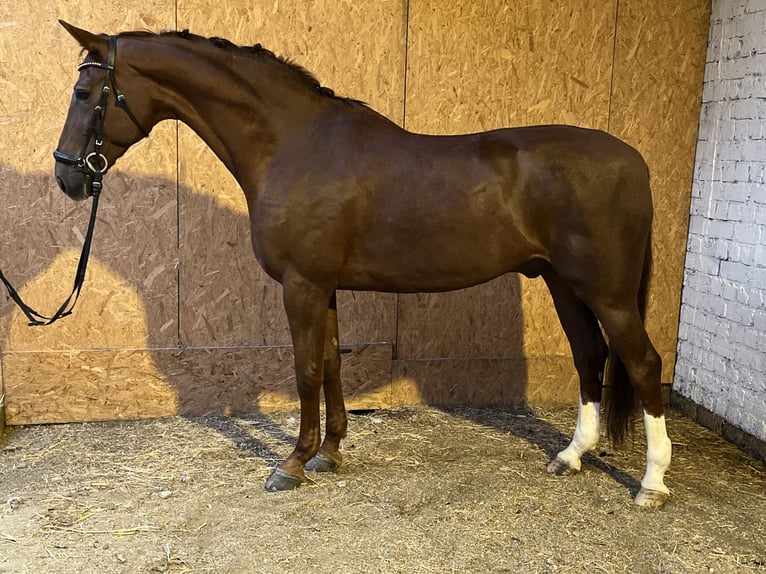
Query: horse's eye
[82, 95]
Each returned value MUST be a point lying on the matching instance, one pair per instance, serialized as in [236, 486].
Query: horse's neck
[240, 112]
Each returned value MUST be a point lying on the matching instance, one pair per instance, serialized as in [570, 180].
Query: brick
[721, 229]
[742, 109]
[759, 320]
[703, 264]
[699, 224]
[747, 232]
[694, 243]
[742, 171]
[740, 314]
[724, 132]
[722, 11]
[709, 115]
[683, 332]
[755, 127]
[742, 253]
[729, 171]
[739, 191]
[712, 76]
[742, 130]
[714, 39]
[754, 150]
[756, 341]
[757, 83]
[745, 212]
[701, 205]
[759, 255]
[687, 315]
[705, 170]
[734, 211]
[755, 6]
[753, 21]
[730, 291]
[720, 210]
[711, 93]
[699, 321]
[730, 150]
[720, 250]
[743, 295]
[715, 286]
[757, 296]
[742, 273]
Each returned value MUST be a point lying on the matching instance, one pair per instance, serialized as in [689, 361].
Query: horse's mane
[256, 51]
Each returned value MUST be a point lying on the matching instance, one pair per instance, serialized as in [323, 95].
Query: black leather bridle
[94, 165]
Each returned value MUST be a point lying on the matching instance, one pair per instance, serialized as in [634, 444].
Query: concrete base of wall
[718, 425]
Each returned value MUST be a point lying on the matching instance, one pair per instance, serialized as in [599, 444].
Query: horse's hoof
[280, 480]
[560, 468]
[651, 498]
[322, 463]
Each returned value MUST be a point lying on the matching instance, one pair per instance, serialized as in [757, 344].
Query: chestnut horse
[340, 197]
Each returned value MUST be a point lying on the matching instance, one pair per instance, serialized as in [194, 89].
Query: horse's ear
[91, 42]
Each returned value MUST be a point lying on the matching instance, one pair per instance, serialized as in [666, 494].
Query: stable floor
[421, 490]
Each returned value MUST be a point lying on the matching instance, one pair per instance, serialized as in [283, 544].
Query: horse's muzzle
[73, 181]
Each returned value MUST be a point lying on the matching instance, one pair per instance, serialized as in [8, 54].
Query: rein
[93, 165]
[36, 319]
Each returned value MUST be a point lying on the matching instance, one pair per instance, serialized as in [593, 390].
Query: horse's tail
[621, 403]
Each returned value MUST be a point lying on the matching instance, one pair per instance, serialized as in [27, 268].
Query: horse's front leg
[306, 304]
[329, 458]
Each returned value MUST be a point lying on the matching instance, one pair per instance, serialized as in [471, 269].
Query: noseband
[94, 164]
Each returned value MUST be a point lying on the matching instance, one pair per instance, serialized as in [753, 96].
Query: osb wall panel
[131, 287]
[43, 230]
[226, 298]
[135, 348]
[553, 63]
[655, 107]
[106, 385]
[484, 381]
[493, 63]
[478, 66]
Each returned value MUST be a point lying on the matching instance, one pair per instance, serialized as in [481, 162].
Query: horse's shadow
[519, 421]
[30, 198]
[544, 435]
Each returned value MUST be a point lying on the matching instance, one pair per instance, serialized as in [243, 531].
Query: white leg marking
[585, 436]
[658, 452]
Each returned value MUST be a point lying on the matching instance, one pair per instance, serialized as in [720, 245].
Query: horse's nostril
[61, 184]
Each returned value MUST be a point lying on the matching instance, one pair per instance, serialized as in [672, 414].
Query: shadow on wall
[177, 317]
[134, 349]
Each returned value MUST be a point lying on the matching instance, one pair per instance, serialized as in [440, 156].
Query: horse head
[95, 133]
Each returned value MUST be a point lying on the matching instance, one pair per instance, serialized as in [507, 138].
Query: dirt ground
[421, 490]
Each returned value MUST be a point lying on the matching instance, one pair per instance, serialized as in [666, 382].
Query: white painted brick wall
[721, 361]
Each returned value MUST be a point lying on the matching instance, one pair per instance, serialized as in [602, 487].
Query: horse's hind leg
[329, 458]
[589, 351]
[628, 338]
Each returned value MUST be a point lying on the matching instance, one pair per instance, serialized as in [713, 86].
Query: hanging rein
[94, 165]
